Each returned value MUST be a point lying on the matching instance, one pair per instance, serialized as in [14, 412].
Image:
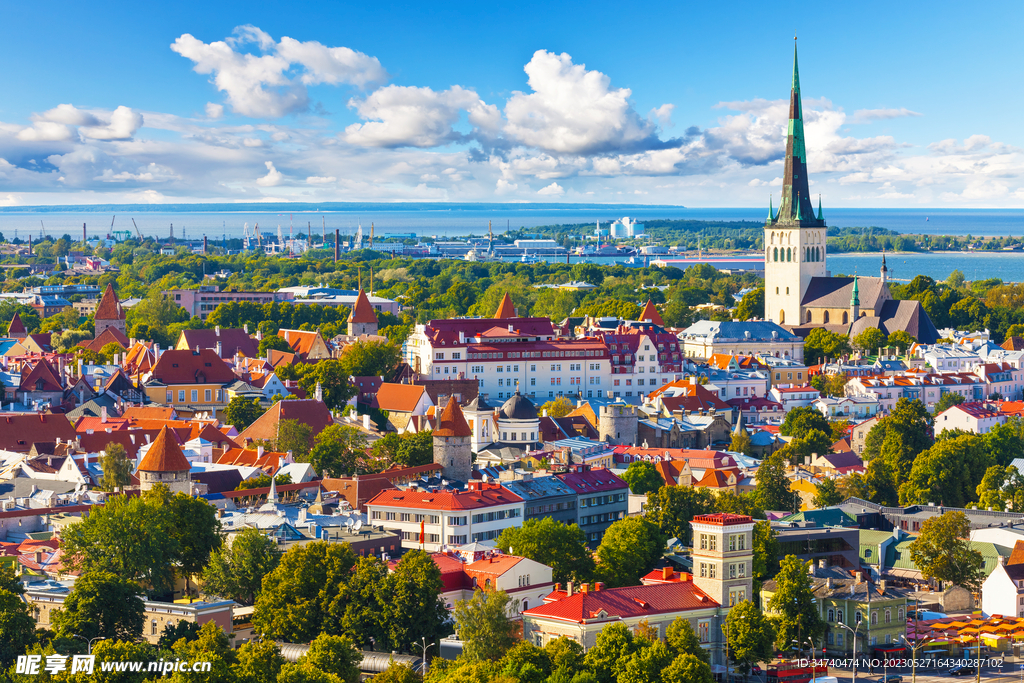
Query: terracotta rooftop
[192, 367]
[623, 603]
[401, 398]
[484, 495]
[452, 422]
[362, 311]
[506, 309]
[650, 312]
[165, 455]
[109, 307]
[307, 411]
[231, 340]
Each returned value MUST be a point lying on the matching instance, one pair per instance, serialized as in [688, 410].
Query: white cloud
[122, 125]
[552, 190]
[505, 187]
[45, 131]
[214, 111]
[401, 116]
[273, 177]
[261, 86]
[869, 115]
[69, 115]
[321, 180]
[253, 142]
[663, 115]
[574, 111]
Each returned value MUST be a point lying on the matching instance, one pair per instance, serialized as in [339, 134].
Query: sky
[906, 104]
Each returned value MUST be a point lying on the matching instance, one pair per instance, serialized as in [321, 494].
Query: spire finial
[821, 217]
[771, 210]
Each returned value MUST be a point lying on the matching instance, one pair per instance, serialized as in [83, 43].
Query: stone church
[800, 292]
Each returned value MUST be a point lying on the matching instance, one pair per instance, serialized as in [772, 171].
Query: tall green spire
[795, 206]
[855, 297]
[820, 216]
[771, 211]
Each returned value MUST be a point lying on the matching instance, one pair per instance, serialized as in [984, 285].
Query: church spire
[855, 297]
[820, 216]
[795, 206]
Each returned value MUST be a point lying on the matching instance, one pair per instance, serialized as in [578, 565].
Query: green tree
[671, 508]
[559, 546]
[108, 352]
[526, 663]
[642, 477]
[629, 549]
[766, 554]
[821, 344]
[273, 342]
[826, 494]
[611, 651]
[947, 401]
[63, 342]
[337, 450]
[564, 653]
[189, 630]
[892, 445]
[751, 636]
[242, 412]
[416, 449]
[117, 468]
[259, 661]
[237, 572]
[901, 340]
[194, 525]
[17, 627]
[870, 340]
[262, 481]
[943, 552]
[792, 604]
[408, 602]
[371, 359]
[333, 380]
[683, 640]
[773, 491]
[211, 645]
[558, 407]
[1006, 441]
[334, 654]
[102, 604]
[483, 625]
[647, 664]
[751, 305]
[741, 442]
[398, 673]
[949, 472]
[799, 421]
[294, 437]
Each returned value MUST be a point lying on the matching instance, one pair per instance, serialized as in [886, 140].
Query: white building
[748, 338]
[1003, 590]
[435, 520]
[847, 407]
[790, 396]
[978, 418]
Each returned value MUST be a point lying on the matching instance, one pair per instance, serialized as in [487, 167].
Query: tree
[813, 442]
[275, 343]
[109, 350]
[334, 654]
[408, 602]
[242, 412]
[687, 669]
[949, 472]
[483, 625]
[194, 525]
[210, 645]
[102, 604]
[947, 401]
[895, 441]
[559, 546]
[821, 344]
[741, 442]
[671, 508]
[682, 640]
[854, 485]
[294, 437]
[750, 635]
[901, 340]
[371, 359]
[629, 549]
[333, 380]
[337, 450]
[259, 661]
[564, 653]
[128, 537]
[943, 552]
[773, 492]
[262, 481]
[525, 662]
[870, 340]
[751, 305]
[559, 407]
[117, 468]
[803, 419]
[189, 630]
[1006, 441]
[766, 554]
[646, 664]
[826, 494]
[398, 673]
[612, 649]
[416, 449]
[17, 627]
[63, 342]
[642, 477]
[237, 572]
[793, 605]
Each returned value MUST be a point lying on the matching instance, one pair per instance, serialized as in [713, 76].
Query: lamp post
[425, 647]
[919, 643]
[88, 641]
[814, 665]
[854, 632]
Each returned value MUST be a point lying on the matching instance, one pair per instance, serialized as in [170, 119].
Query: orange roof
[109, 307]
[301, 341]
[362, 311]
[164, 455]
[398, 397]
[495, 566]
[650, 312]
[717, 479]
[1017, 555]
[452, 422]
[506, 309]
[148, 413]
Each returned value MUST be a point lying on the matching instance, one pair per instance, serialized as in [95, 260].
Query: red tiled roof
[164, 455]
[110, 335]
[506, 309]
[19, 431]
[301, 341]
[592, 481]
[148, 413]
[631, 601]
[717, 479]
[496, 565]
[42, 371]
[231, 340]
[307, 411]
[650, 312]
[452, 422]
[482, 495]
[400, 398]
[723, 519]
[362, 311]
[192, 367]
[16, 328]
[109, 307]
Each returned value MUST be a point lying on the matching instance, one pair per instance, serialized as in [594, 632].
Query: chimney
[103, 414]
[823, 563]
[568, 589]
[217, 330]
[220, 348]
[881, 585]
[585, 588]
[859, 576]
[599, 586]
[246, 328]
[558, 587]
[666, 573]
[366, 422]
[259, 451]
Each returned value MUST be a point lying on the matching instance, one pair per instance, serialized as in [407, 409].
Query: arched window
[807, 254]
[773, 238]
[789, 254]
[776, 258]
[821, 253]
[874, 618]
[808, 316]
[825, 318]
[888, 616]
[899, 614]
[782, 317]
[846, 317]
[831, 615]
[839, 616]
[487, 584]
[859, 616]
[526, 605]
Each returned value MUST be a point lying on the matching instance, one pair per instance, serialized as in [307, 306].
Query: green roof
[869, 542]
[825, 517]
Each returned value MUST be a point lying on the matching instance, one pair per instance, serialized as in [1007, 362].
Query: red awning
[888, 648]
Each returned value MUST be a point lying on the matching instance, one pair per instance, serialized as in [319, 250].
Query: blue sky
[908, 104]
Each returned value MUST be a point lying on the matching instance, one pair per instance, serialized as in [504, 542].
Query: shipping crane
[371, 234]
[245, 237]
[137, 230]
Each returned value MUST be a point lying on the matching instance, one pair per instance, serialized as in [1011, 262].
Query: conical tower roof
[109, 307]
[165, 455]
[362, 311]
[506, 309]
[650, 312]
[452, 422]
[16, 328]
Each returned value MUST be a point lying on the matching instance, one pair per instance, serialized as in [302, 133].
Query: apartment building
[203, 301]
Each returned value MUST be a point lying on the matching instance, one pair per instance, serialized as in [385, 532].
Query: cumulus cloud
[401, 116]
[320, 180]
[869, 115]
[575, 111]
[69, 115]
[552, 190]
[45, 131]
[261, 86]
[273, 177]
[122, 125]
[214, 111]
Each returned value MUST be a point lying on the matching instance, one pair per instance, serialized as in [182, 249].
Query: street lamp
[814, 669]
[88, 641]
[919, 643]
[425, 648]
[854, 632]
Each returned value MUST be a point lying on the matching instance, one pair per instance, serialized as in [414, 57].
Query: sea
[454, 220]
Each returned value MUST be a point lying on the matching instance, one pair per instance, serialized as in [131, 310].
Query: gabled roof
[485, 495]
[836, 292]
[1014, 344]
[109, 307]
[1017, 555]
[623, 603]
[231, 340]
[452, 422]
[592, 481]
[506, 309]
[650, 312]
[301, 341]
[42, 371]
[110, 335]
[17, 328]
[192, 367]
[401, 398]
[307, 411]
[165, 455]
[362, 310]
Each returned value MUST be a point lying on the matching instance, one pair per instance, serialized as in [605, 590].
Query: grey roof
[758, 330]
[519, 408]
[21, 487]
[538, 487]
[836, 292]
[477, 404]
[908, 316]
[93, 407]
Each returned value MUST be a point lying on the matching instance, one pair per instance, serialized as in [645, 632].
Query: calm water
[1007, 266]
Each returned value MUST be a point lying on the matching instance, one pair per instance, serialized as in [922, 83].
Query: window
[712, 542]
[170, 396]
[703, 541]
[858, 617]
[207, 395]
[874, 617]
[839, 617]
[888, 616]
[704, 631]
[703, 570]
[181, 395]
[831, 617]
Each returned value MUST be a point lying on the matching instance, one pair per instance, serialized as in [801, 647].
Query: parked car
[965, 670]
[891, 678]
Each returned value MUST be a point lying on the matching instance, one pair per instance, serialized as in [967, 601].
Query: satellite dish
[349, 523]
[358, 525]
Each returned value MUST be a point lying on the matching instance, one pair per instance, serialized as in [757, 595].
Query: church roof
[506, 309]
[109, 307]
[165, 455]
[908, 316]
[650, 312]
[452, 422]
[518, 407]
[362, 311]
[837, 292]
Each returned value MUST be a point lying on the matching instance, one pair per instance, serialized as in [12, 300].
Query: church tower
[794, 238]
